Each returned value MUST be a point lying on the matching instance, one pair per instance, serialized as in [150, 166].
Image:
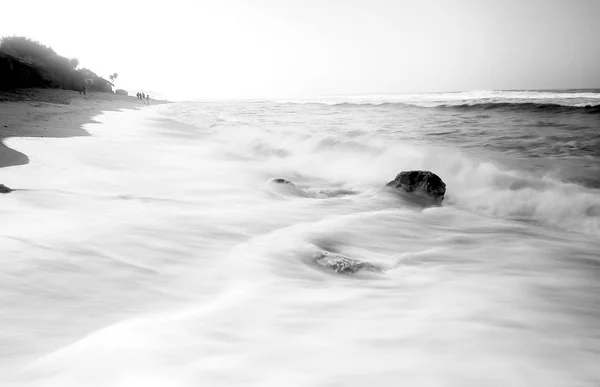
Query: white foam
[138, 256]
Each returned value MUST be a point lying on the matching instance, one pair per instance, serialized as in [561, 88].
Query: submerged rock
[286, 188]
[343, 264]
[422, 182]
[281, 181]
[4, 189]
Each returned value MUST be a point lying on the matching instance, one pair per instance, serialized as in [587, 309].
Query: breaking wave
[539, 101]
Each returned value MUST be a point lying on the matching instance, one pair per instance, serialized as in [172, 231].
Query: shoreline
[53, 113]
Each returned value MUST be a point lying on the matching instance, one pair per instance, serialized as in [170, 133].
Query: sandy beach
[52, 113]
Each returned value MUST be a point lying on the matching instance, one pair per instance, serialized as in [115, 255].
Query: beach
[180, 245]
[338, 194]
[51, 113]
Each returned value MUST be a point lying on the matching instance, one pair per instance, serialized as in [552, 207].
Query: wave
[527, 106]
[478, 186]
[360, 160]
[582, 101]
[512, 106]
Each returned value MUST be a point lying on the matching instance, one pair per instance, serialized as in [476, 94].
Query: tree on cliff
[55, 70]
[27, 49]
[113, 77]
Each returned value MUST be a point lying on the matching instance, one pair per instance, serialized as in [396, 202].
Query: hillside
[25, 63]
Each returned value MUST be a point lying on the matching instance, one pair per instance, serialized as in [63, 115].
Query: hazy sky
[261, 48]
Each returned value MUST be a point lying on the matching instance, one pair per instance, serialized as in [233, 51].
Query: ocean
[156, 252]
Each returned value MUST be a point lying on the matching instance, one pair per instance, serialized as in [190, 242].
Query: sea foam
[153, 253]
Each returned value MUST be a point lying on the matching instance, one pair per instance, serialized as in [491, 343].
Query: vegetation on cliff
[27, 63]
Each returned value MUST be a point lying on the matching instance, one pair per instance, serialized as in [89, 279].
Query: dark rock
[4, 189]
[422, 182]
[343, 264]
[286, 188]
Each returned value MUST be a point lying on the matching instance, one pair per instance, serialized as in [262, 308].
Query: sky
[302, 48]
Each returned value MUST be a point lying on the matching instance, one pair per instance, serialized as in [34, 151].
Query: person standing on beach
[148, 100]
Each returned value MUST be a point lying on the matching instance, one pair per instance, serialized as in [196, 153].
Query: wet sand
[52, 113]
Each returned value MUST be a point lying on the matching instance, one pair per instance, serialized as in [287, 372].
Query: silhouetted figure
[138, 95]
[148, 100]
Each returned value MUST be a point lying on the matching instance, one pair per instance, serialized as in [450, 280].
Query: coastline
[52, 113]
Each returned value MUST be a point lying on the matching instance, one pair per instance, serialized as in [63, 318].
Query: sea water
[155, 252]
